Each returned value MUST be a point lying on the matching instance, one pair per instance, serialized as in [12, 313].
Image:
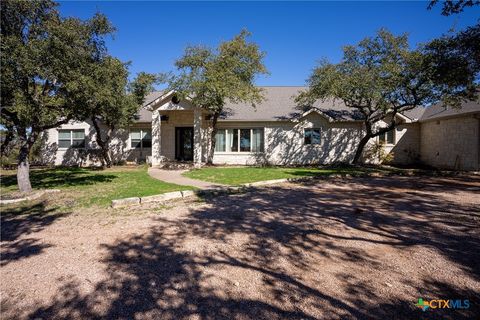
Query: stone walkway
[175, 176]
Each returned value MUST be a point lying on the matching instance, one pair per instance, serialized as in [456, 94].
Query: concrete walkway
[175, 176]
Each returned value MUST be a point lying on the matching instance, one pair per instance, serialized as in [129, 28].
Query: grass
[241, 175]
[88, 187]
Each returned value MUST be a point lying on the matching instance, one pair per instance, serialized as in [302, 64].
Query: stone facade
[451, 143]
[52, 154]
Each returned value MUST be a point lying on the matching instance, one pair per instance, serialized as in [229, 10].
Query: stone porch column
[197, 137]
[157, 158]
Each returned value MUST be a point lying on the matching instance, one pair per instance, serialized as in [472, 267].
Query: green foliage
[47, 64]
[382, 77]
[211, 77]
[376, 152]
[455, 64]
[453, 6]
[114, 102]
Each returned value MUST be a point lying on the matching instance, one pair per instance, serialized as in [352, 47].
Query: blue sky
[295, 35]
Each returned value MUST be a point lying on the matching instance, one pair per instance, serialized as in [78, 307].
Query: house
[274, 132]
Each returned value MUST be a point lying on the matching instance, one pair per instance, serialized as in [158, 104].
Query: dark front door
[184, 143]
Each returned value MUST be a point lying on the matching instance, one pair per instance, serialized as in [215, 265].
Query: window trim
[385, 142]
[238, 142]
[141, 130]
[71, 139]
[312, 143]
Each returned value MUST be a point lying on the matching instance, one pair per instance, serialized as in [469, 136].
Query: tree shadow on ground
[279, 244]
[19, 222]
[60, 177]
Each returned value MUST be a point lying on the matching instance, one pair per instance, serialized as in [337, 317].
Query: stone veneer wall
[451, 143]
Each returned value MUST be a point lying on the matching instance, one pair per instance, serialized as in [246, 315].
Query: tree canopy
[115, 101]
[453, 6]
[46, 66]
[212, 77]
[380, 78]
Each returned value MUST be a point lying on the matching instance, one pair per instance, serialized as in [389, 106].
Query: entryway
[184, 143]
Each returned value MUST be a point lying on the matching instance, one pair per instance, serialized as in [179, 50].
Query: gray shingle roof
[279, 104]
[143, 114]
[415, 113]
[439, 111]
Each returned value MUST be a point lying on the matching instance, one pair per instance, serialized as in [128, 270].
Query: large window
[71, 138]
[239, 140]
[312, 136]
[140, 138]
[387, 137]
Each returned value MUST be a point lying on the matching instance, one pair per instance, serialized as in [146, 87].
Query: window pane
[220, 141]
[135, 135]
[64, 143]
[78, 134]
[79, 143]
[234, 142]
[135, 143]
[147, 139]
[64, 135]
[315, 136]
[257, 140]
[381, 138]
[245, 140]
[308, 136]
[391, 137]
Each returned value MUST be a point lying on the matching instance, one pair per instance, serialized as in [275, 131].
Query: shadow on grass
[18, 222]
[60, 177]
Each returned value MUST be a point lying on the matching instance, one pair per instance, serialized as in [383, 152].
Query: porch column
[156, 139]
[197, 137]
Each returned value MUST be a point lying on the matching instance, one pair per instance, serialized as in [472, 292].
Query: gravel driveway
[343, 249]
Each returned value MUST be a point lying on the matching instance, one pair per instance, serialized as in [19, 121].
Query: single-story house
[274, 132]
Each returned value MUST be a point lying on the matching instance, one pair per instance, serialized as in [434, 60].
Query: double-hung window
[312, 136]
[140, 138]
[387, 137]
[239, 140]
[71, 138]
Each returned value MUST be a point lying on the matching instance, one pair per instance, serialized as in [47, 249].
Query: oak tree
[212, 77]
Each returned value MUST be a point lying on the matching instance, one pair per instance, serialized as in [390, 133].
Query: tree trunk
[213, 140]
[23, 168]
[103, 144]
[361, 145]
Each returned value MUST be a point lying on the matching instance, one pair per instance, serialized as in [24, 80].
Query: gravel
[358, 248]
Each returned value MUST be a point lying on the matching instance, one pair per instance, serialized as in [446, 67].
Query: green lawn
[241, 175]
[87, 187]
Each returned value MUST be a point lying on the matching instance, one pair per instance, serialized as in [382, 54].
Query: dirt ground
[364, 248]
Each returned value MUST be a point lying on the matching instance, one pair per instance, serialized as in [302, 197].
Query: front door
[184, 143]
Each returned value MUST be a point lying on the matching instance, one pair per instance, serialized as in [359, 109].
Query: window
[387, 137]
[245, 140]
[240, 140]
[140, 139]
[71, 138]
[312, 136]
[257, 140]
[220, 142]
